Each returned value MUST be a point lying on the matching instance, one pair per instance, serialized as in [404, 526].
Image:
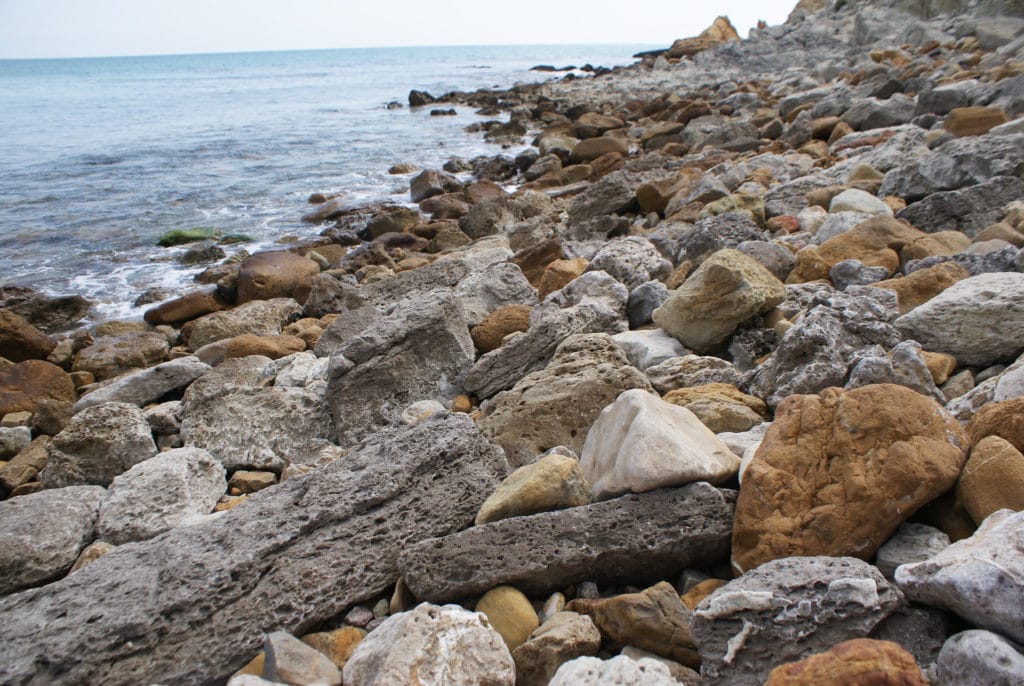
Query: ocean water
[101, 156]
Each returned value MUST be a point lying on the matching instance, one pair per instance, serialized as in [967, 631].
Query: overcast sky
[87, 28]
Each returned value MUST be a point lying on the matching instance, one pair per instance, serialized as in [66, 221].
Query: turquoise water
[101, 156]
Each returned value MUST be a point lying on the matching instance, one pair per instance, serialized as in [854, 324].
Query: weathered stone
[510, 613]
[901, 449]
[495, 286]
[612, 193]
[911, 543]
[565, 636]
[644, 300]
[720, 31]
[259, 564]
[875, 243]
[336, 645]
[148, 385]
[20, 341]
[636, 538]
[24, 385]
[91, 553]
[593, 148]
[25, 465]
[14, 439]
[919, 630]
[919, 287]
[111, 356]
[691, 370]
[979, 658]
[270, 346]
[973, 121]
[42, 533]
[558, 274]
[98, 444]
[290, 661]
[260, 318]
[632, 261]
[432, 182]
[940, 243]
[186, 308]
[992, 479]
[432, 644]
[491, 331]
[618, 671]
[968, 210]
[785, 610]
[551, 483]
[278, 274]
[854, 661]
[648, 347]
[556, 405]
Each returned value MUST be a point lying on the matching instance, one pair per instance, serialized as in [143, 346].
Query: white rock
[838, 223]
[147, 385]
[618, 671]
[856, 200]
[301, 369]
[979, 658]
[1010, 384]
[811, 218]
[420, 411]
[648, 347]
[640, 443]
[156, 495]
[439, 645]
[13, 440]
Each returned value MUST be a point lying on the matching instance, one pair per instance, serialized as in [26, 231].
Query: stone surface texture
[859, 660]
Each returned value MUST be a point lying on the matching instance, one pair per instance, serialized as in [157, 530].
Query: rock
[553, 482]
[565, 636]
[486, 219]
[280, 274]
[973, 121]
[392, 220]
[332, 209]
[911, 543]
[721, 407]
[592, 148]
[1001, 419]
[111, 356]
[968, 210]
[853, 273]
[636, 538]
[611, 194]
[260, 318]
[785, 610]
[992, 479]
[148, 385]
[988, 306]
[186, 308]
[643, 301]
[691, 370]
[901, 449]
[556, 406]
[979, 658]
[919, 630]
[640, 443]
[431, 182]
[839, 223]
[491, 331]
[14, 439]
[157, 494]
[919, 287]
[47, 313]
[245, 481]
[432, 644]
[618, 671]
[978, 578]
[940, 243]
[288, 660]
[25, 385]
[247, 344]
[420, 351]
[856, 200]
[872, 113]
[20, 341]
[649, 347]
[726, 290]
[875, 243]
[510, 613]
[959, 163]
[337, 645]
[720, 31]
[559, 274]
[259, 564]
[654, 620]
[632, 261]
[26, 464]
[98, 444]
[495, 286]
[42, 533]
[91, 553]
[855, 661]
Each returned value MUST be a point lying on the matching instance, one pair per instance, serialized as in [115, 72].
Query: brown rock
[654, 620]
[185, 308]
[563, 637]
[510, 613]
[940, 366]
[403, 168]
[111, 356]
[533, 261]
[484, 191]
[244, 481]
[336, 645]
[447, 206]
[26, 383]
[1001, 231]
[654, 196]
[838, 472]
[553, 482]
[274, 347]
[461, 403]
[701, 591]
[593, 148]
[592, 124]
[973, 121]
[558, 274]
[992, 479]
[82, 379]
[20, 341]
[938, 243]
[921, 286]
[24, 466]
[720, 31]
[307, 328]
[277, 274]
[721, 407]
[1004, 419]
[876, 243]
[488, 334]
[860, 661]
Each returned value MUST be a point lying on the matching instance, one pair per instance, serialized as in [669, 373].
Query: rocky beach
[713, 373]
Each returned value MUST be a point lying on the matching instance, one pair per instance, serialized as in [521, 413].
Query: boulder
[640, 443]
[594, 124]
[875, 243]
[495, 286]
[111, 356]
[901, 449]
[973, 121]
[992, 479]
[720, 31]
[979, 578]
[146, 386]
[691, 370]
[26, 464]
[41, 534]
[273, 346]
[278, 274]
[48, 313]
[613, 193]
[979, 658]
[260, 318]
[643, 301]
[432, 182]
[634, 538]
[618, 671]
[553, 482]
[98, 444]
[432, 644]
[648, 347]
[289, 660]
[186, 308]
[919, 287]
[592, 148]
[24, 385]
[1004, 419]
[632, 261]
[270, 561]
[786, 610]
[510, 613]
[968, 210]
[856, 200]
[855, 661]
[721, 407]
[157, 494]
[726, 290]
[556, 405]
[492, 329]
[558, 274]
[565, 636]
[20, 341]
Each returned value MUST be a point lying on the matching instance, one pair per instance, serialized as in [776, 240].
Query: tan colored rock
[510, 613]
[533, 261]
[921, 286]
[593, 148]
[23, 385]
[1001, 231]
[654, 620]
[858, 661]
[558, 274]
[932, 244]
[726, 290]
[701, 591]
[307, 328]
[876, 243]
[488, 334]
[973, 121]
[186, 308]
[20, 341]
[462, 403]
[838, 472]
[337, 645]
[992, 479]
[720, 31]
[593, 124]
[111, 356]
[1004, 419]
[244, 481]
[553, 482]
[565, 636]
[24, 466]
[940, 366]
[654, 196]
[91, 553]
[274, 347]
[721, 407]
[277, 274]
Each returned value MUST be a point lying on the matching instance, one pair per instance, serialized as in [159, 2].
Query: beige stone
[489, 333]
[934, 244]
[24, 384]
[565, 636]
[974, 121]
[337, 646]
[553, 482]
[721, 407]
[921, 286]
[701, 591]
[992, 479]
[277, 274]
[558, 274]
[876, 243]
[186, 307]
[20, 341]
[510, 613]
[940, 366]
[720, 31]
[593, 148]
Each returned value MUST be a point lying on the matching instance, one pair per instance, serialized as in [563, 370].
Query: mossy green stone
[182, 236]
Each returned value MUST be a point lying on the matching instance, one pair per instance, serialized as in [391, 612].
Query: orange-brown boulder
[938, 243]
[973, 121]
[276, 275]
[558, 274]
[876, 243]
[720, 31]
[28, 382]
[1004, 419]
[838, 472]
[488, 334]
[858, 662]
[533, 261]
[593, 148]
[921, 286]
[20, 341]
[992, 479]
[592, 124]
[186, 308]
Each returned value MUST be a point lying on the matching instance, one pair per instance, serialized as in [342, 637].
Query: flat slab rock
[191, 606]
[651, 535]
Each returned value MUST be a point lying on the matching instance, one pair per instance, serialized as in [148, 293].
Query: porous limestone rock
[618, 671]
[969, 210]
[148, 385]
[979, 658]
[552, 482]
[691, 370]
[920, 286]
[721, 407]
[489, 334]
[633, 261]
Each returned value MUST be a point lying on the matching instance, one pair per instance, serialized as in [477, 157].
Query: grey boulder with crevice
[148, 385]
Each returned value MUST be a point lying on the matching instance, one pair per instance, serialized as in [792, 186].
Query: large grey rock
[494, 286]
[157, 494]
[1005, 259]
[420, 351]
[691, 370]
[632, 261]
[148, 385]
[597, 290]
[288, 660]
[727, 230]
[919, 630]
[432, 645]
[618, 671]
[635, 538]
[785, 610]
[189, 607]
[980, 578]
[979, 320]
[612, 193]
[872, 113]
[821, 348]
[979, 658]
[259, 317]
[911, 543]
[42, 533]
[968, 210]
[644, 300]
[904, 365]
[348, 324]
[14, 439]
[98, 443]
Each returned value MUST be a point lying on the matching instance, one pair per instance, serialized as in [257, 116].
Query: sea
[101, 156]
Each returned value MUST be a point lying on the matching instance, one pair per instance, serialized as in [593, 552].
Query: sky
[93, 28]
